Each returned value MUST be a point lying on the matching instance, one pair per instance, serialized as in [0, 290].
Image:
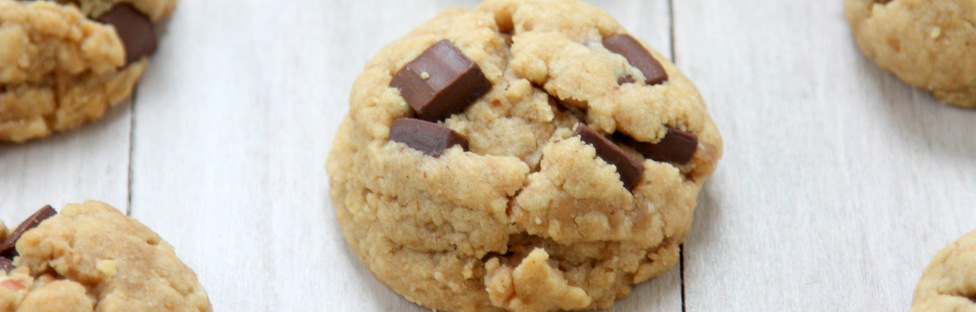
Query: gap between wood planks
[132, 138]
[681, 248]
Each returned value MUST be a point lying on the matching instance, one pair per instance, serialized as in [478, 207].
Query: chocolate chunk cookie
[63, 63]
[949, 283]
[928, 44]
[91, 257]
[529, 155]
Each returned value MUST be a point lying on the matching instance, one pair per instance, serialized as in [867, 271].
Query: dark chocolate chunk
[440, 82]
[637, 56]
[623, 80]
[134, 28]
[676, 147]
[630, 169]
[6, 264]
[7, 248]
[428, 137]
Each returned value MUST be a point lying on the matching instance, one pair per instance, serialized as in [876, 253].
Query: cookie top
[62, 65]
[528, 155]
[949, 282]
[928, 44]
[91, 257]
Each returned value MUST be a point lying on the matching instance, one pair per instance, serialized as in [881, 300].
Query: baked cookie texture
[91, 257]
[527, 216]
[928, 44]
[59, 67]
[949, 282]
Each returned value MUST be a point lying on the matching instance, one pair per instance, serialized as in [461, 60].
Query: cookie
[949, 282]
[928, 44]
[528, 155]
[91, 257]
[64, 63]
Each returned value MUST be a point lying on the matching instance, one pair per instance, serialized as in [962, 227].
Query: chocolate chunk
[7, 248]
[134, 28]
[440, 82]
[630, 169]
[428, 137]
[676, 147]
[623, 80]
[6, 264]
[637, 56]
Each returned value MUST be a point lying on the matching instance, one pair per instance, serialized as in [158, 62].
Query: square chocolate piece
[440, 82]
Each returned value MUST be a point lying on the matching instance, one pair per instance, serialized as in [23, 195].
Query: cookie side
[90, 255]
[59, 68]
[949, 282]
[928, 44]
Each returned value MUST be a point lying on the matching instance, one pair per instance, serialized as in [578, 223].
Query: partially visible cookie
[91, 257]
[928, 44]
[949, 282]
[64, 63]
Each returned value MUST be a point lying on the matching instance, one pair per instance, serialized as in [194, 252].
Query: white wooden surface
[838, 185]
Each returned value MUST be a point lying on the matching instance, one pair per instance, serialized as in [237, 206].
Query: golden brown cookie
[91, 257]
[949, 283]
[64, 63]
[529, 155]
[928, 44]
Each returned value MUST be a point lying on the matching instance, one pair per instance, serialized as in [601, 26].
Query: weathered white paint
[838, 183]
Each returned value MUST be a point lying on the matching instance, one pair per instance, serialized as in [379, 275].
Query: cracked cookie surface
[527, 215]
[928, 44]
[949, 282]
[60, 67]
[91, 257]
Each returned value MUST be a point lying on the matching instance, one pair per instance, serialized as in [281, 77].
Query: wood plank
[87, 163]
[839, 183]
[200, 152]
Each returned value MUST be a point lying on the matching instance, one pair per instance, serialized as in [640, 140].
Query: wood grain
[838, 185]
[90, 162]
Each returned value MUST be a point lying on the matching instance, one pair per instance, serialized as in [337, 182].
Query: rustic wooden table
[838, 185]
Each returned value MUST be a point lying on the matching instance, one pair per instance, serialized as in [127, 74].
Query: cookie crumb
[107, 266]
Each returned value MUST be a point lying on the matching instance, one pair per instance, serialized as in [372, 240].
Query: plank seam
[132, 138]
[674, 56]
[681, 248]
